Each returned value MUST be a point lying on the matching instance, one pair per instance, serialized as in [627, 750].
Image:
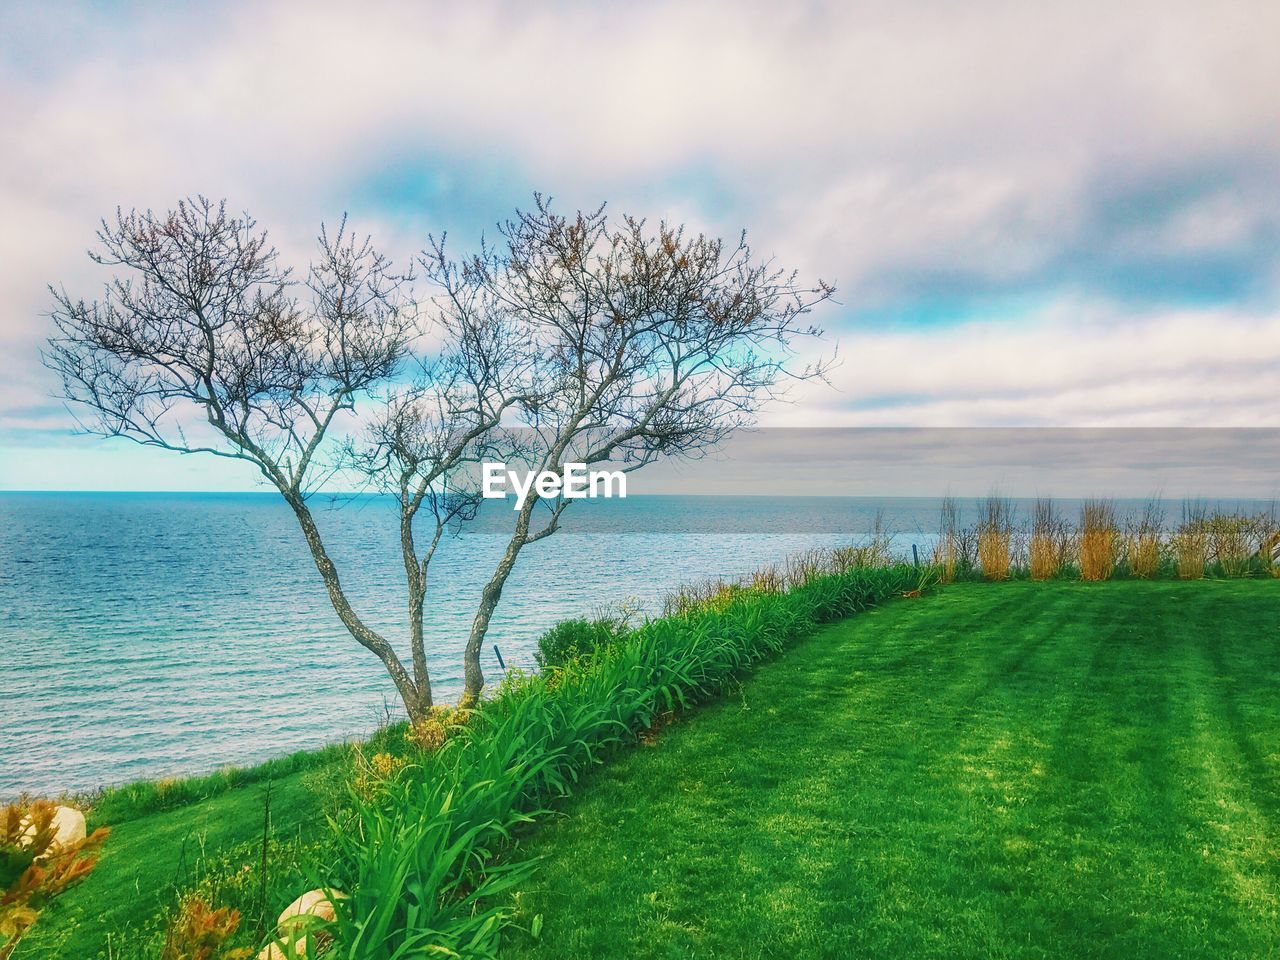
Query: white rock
[69, 822]
[313, 903]
[68, 828]
[291, 927]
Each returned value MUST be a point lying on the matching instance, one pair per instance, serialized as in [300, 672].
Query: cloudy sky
[1037, 214]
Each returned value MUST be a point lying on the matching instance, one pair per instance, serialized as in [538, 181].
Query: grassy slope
[1025, 770]
[150, 856]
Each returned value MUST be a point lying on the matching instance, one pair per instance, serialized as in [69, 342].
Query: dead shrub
[805, 567]
[876, 548]
[704, 595]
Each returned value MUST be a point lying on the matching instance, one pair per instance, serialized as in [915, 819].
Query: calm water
[144, 635]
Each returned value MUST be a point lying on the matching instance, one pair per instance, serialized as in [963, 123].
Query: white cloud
[1071, 365]
[896, 148]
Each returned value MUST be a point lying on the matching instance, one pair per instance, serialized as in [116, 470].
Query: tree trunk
[416, 698]
[415, 577]
[472, 674]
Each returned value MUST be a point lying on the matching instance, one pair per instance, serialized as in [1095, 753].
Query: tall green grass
[425, 863]
[119, 804]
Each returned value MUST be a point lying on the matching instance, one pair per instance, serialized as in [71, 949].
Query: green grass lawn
[1023, 770]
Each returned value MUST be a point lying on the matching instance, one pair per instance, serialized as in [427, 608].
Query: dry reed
[1190, 541]
[1099, 538]
[1044, 553]
[995, 533]
[947, 552]
[1142, 545]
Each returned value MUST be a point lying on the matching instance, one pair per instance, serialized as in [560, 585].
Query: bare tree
[202, 319]
[644, 344]
[600, 343]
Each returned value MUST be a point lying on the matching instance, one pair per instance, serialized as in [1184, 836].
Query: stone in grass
[313, 903]
[294, 922]
[68, 829]
[69, 823]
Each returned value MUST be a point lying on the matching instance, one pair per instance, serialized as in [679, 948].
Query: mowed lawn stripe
[1018, 770]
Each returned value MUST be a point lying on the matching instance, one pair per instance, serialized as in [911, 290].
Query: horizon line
[725, 495]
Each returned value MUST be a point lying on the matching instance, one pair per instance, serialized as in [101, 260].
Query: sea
[148, 635]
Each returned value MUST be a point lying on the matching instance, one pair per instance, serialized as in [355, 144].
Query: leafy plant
[370, 773]
[35, 866]
[199, 932]
[573, 639]
[926, 577]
